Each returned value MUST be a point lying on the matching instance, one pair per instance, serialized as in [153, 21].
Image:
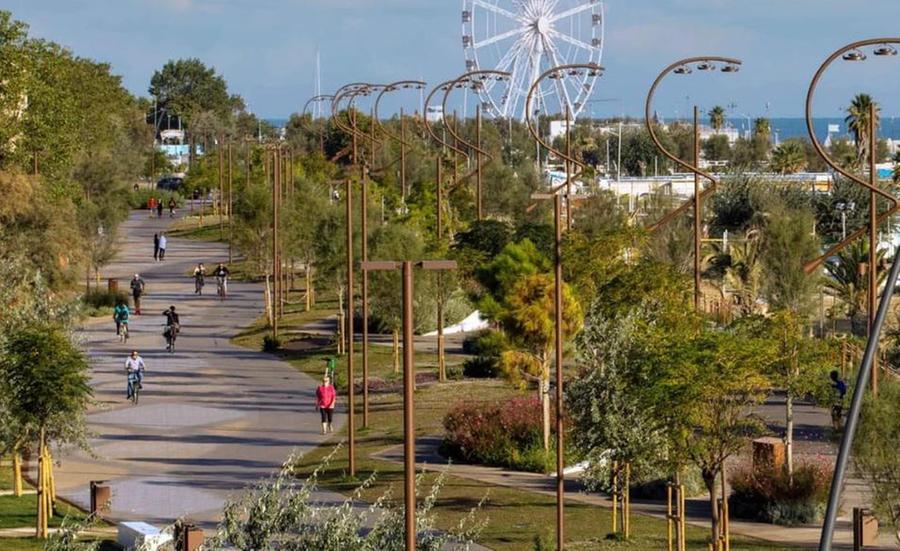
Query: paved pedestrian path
[213, 417]
[428, 458]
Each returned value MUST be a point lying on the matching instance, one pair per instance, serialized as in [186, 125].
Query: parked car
[170, 183]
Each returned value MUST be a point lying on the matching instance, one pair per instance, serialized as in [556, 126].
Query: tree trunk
[545, 406]
[17, 473]
[308, 287]
[709, 478]
[789, 433]
[267, 297]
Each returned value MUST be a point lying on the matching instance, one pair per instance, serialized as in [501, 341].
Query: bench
[134, 535]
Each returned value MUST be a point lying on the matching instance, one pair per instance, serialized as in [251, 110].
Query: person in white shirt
[134, 368]
[163, 241]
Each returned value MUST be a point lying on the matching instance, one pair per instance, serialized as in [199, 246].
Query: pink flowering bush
[504, 434]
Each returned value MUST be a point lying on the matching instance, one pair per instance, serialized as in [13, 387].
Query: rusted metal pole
[440, 193]
[558, 334]
[402, 157]
[351, 422]
[568, 170]
[873, 240]
[274, 297]
[230, 204]
[365, 292]
[478, 190]
[698, 205]
[409, 434]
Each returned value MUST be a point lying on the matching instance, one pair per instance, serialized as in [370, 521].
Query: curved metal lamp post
[439, 158]
[555, 194]
[317, 99]
[476, 79]
[853, 52]
[685, 67]
[401, 138]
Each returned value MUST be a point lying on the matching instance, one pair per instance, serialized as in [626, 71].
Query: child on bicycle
[134, 369]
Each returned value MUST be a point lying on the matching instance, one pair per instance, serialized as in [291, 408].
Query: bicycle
[171, 332]
[123, 332]
[134, 390]
[220, 287]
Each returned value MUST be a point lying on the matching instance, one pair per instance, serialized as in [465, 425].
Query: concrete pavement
[213, 418]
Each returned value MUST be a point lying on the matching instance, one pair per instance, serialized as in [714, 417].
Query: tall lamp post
[852, 52]
[409, 379]
[556, 193]
[884, 47]
[685, 67]
[321, 98]
[476, 80]
[399, 138]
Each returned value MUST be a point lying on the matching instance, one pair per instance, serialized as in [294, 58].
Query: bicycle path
[213, 418]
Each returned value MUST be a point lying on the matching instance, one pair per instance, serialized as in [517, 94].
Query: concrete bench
[134, 535]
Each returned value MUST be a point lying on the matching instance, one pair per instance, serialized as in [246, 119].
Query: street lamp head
[731, 68]
[854, 55]
[683, 70]
[706, 66]
[885, 50]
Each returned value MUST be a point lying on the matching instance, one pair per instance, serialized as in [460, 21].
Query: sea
[783, 128]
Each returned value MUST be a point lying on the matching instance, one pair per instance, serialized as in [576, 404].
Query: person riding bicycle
[134, 369]
[172, 205]
[199, 279]
[839, 391]
[173, 326]
[120, 316]
[222, 272]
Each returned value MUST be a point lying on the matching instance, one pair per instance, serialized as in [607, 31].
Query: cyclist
[134, 369]
[172, 205]
[222, 272]
[199, 278]
[173, 326]
[120, 316]
[839, 391]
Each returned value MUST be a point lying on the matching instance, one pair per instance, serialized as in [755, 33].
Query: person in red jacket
[325, 400]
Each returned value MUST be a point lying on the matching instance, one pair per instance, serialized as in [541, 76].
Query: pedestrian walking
[159, 209]
[156, 247]
[151, 205]
[326, 398]
[163, 242]
[199, 278]
[137, 291]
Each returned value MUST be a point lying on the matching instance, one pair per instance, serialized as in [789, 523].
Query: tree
[498, 277]
[789, 158]
[717, 118]
[709, 384]
[847, 282]
[875, 453]
[44, 382]
[858, 121]
[529, 323]
[787, 244]
[717, 148]
[739, 269]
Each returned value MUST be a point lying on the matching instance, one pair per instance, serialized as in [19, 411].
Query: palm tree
[896, 174]
[789, 158]
[717, 118]
[739, 269]
[857, 120]
[847, 282]
[762, 128]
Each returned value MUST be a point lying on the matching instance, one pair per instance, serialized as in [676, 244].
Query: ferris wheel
[526, 38]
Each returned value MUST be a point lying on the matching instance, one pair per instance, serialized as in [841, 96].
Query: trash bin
[865, 528]
[768, 454]
[188, 537]
[100, 496]
[112, 285]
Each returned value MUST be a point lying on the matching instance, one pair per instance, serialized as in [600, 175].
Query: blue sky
[266, 48]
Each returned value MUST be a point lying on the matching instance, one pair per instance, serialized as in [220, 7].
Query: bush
[138, 199]
[503, 435]
[486, 346]
[271, 344]
[102, 298]
[771, 496]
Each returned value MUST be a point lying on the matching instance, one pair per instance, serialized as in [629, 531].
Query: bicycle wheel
[134, 393]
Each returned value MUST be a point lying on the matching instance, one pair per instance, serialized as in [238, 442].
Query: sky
[266, 49]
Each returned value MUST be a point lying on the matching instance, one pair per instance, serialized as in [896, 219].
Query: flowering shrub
[771, 495]
[504, 435]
